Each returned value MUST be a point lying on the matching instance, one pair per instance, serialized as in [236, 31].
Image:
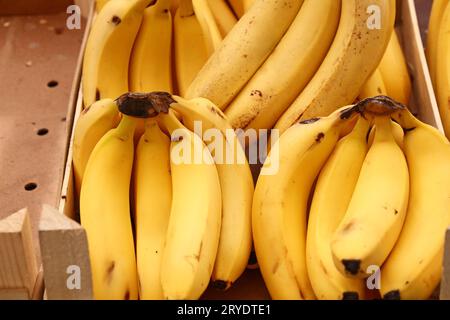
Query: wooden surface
[64, 246]
[34, 50]
[18, 266]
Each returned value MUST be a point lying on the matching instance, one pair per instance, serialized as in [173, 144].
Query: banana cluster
[191, 209]
[354, 195]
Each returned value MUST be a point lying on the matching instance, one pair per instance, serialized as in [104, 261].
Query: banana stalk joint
[144, 105]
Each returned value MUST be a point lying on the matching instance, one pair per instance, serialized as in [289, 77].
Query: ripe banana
[190, 46]
[346, 67]
[332, 195]
[243, 51]
[443, 70]
[108, 50]
[236, 184]
[151, 64]
[223, 15]
[153, 198]
[208, 24]
[375, 215]
[288, 69]
[437, 12]
[397, 131]
[280, 204]
[414, 267]
[174, 5]
[94, 122]
[240, 7]
[394, 70]
[373, 87]
[195, 217]
[99, 4]
[105, 214]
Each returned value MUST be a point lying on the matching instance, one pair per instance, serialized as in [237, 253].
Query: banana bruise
[346, 68]
[289, 67]
[94, 122]
[414, 267]
[280, 204]
[194, 226]
[375, 215]
[105, 214]
[153, 197]
[331, 197]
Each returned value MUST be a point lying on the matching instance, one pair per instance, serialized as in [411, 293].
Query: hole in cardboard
[52, 84]
[42, 132]
[30, 186]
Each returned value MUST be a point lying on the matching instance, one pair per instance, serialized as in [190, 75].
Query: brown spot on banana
[116, 20]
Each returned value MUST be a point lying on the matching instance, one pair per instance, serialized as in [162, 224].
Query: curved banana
[397, 131]
[414, 267]
[243, 51]
[208, 24]
[223, 15]
[437, 12]
[99, 4]
[236, 184]
[195, 216]
[443, 70]
[153, 199]
[105, 214]
[394, 70]
[240, 7]
[280, 204]
[288, 69]
[94, 122]
[331, 197]
[190, 46]
[346, 67]
[108, 50]
[151, 64]
[375, 215]
[373, 87]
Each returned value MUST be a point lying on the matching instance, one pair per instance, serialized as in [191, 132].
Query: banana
[331, 197]
[414, 267]
[195, 217]
[108, 50]
[240, 7]
[243, 51]
[443, 70]
[236, 184]
[373, 87]
[346, 67]
[437, 12]
[208, 24]
[105, 214]
[223, 15]
[397, 131]
[174, 4]
[394, 70]
[280, 204]
[153, 198]
[190, 46]
[376, 212]
[288, 69]
[94, 122]
[150, 65]
[99, 4]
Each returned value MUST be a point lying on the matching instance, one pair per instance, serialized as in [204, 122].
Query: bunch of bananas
[192, 214]
[438, 57]
[381, 201]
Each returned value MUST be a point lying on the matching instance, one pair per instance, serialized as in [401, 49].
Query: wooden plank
[65, 257]
[39, 287]
[445, 282]
[18, 266]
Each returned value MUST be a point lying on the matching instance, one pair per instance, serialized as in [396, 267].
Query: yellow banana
[195, 217]
[373, 87]
[174, 6]
[243, 51]
[288, 69]
[397, 131]
[108, 50]
[105, 214]
[394, 70]
[94, 122]
[99, 4]
[414, 267]
[223, 15]
[375, 215]
[280, 204]
[208, 24]
[443, 70]
[236, 184]
[190, 46]
[331, 197]
[240, 7]
[346, 67]
[153, 198]
[437, 12]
